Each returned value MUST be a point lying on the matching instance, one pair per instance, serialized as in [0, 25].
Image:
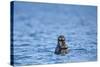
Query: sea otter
[61, 48]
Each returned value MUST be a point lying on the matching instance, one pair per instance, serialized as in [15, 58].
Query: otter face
[61, 38]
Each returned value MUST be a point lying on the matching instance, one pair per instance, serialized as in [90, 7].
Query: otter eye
[59, 38]
[63, 38]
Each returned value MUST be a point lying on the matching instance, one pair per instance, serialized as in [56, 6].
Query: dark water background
[37, 26]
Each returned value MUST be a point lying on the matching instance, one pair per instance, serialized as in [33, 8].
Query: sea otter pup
[61, 48]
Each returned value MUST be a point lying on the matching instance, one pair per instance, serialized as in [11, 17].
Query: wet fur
[61, 46]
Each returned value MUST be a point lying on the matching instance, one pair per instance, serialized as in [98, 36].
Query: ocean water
[36, 27]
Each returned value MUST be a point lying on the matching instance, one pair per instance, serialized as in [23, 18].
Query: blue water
[37, 26]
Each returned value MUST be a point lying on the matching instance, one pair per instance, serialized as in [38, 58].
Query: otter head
[61, 41]
[61, 38]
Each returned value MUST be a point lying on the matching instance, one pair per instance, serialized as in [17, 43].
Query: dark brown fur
[61, 48]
